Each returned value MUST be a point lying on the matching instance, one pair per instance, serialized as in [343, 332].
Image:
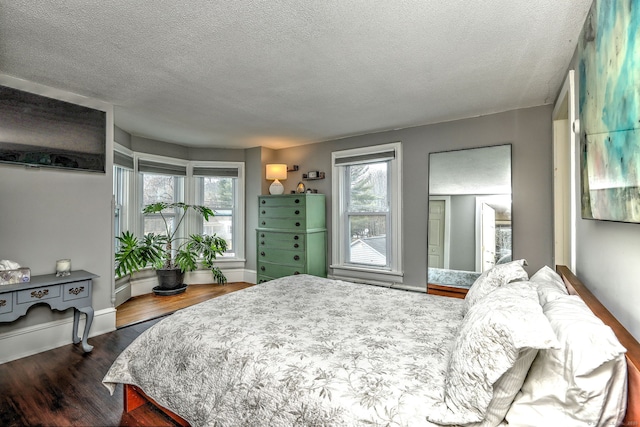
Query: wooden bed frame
[134, 397]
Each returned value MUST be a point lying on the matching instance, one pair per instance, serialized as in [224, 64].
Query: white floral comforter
[299, 350]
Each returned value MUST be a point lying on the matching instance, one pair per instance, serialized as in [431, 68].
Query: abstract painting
[609, 70]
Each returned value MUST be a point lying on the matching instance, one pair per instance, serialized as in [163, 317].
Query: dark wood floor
[63, 386]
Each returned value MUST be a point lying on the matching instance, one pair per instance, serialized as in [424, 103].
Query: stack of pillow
[529, 354]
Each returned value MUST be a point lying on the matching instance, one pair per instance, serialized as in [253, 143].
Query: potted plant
[170, 255]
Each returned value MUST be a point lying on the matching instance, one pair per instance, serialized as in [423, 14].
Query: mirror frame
[466, 282]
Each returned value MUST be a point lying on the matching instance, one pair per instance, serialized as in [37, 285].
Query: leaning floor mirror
[469, 225]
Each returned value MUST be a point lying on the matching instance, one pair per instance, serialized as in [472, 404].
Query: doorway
[565, 128]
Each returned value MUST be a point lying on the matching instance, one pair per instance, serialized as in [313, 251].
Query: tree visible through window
[158, 188]
[368, 212]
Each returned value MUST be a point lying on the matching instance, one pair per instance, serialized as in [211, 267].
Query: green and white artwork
[609, 69]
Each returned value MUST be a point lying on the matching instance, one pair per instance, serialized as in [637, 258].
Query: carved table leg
[88, 311]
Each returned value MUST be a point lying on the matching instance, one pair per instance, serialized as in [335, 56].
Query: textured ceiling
[242, 73]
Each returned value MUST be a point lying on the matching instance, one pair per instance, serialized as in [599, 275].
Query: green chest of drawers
[292, 236]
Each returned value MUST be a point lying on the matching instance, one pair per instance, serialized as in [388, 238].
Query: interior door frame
[566, 128]
[447, 229]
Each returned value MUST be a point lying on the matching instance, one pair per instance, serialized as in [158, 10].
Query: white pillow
[581, 383]
[492, 279]
[550, 284]
[492, 354]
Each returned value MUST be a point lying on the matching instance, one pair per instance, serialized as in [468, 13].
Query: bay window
[142, 179]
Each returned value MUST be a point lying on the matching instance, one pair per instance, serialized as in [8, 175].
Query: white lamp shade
[277, 171]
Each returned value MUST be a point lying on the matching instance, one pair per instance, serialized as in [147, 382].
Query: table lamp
[276, 172]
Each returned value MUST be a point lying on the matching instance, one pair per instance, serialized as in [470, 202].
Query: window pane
[368, 186]
[368, 240]
[155, 224]
[219, 195]
[218, 192]
[222, 226]
[157, 188]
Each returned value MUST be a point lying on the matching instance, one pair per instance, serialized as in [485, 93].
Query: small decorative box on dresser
[292, 236]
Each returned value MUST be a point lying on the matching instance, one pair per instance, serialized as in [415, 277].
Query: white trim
[338, 247]
[239, 209]
[568, 92]
[447, 228]
[35, 339]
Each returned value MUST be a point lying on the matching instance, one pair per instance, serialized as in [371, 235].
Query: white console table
[60, 293]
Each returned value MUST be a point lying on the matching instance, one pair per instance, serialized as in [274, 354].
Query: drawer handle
[262, 242]
[264, 201]
[296, 237]
[262, 268]
[262, 253]
[296, 257]
[264, 212]
[297, 224]
[263, 223]
[296, 272]
[297, 212]
[3, 302]
[297, 200]
[39, 294]
[296, 246]
[262, 280]
[76, 291]
[262, 235]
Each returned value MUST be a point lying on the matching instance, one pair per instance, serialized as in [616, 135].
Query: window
[217, 187]
[161, 181]
[122, 180]
[366, 210]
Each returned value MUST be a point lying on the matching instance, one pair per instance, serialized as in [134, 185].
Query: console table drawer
[38, 294]
[75, 290]
[6, 304]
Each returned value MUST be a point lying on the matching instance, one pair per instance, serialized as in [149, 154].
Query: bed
[304, 350]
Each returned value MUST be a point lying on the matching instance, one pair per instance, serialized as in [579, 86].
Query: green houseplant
[169, 254]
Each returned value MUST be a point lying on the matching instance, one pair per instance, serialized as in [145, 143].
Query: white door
[435, 233]
[488, 237]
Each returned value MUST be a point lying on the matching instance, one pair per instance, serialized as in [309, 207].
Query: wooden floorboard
[151, 306]
[63, 386]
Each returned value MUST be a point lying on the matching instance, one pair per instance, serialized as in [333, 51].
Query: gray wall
[49, 214]
[529, 132]
[607, 255]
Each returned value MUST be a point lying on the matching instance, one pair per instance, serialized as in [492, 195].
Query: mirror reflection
[469, 229]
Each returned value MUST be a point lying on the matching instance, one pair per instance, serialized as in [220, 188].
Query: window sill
[367, 275]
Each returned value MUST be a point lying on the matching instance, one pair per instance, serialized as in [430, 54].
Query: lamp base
[276, 188]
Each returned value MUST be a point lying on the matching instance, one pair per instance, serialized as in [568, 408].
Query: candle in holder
[63, 267]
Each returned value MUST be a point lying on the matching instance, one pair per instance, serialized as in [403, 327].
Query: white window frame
[387, 276]
[180, 190]
[128, 202]
[238, 218]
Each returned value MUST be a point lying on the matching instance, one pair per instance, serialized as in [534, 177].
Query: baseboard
[46, 336]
